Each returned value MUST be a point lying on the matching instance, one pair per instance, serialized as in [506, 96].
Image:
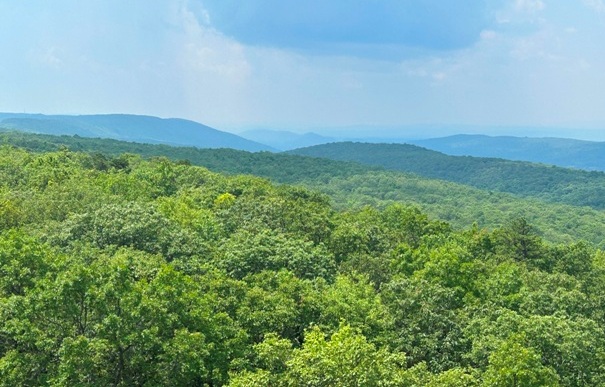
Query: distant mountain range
[571, 153]
[127, 127]
[563, 152]
[556, 151]
[285, 140]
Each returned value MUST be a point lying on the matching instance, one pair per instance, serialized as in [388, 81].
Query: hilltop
[549, 183]
[128, 127]
[563, 152]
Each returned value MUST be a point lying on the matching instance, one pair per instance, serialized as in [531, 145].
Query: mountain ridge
[522, 178]
[286, 140]
[351, 184]
[564, 152]
[130, 127]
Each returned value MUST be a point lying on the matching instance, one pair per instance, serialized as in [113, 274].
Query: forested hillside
[352, 185]
[548, 183]
[125, 271]
[563, 152]
[129, 127]
[462, 206]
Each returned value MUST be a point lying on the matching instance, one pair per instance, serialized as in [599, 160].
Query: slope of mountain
[127, 127]
[548, 183]
[557, 151]
[284, 140]
[352, 185]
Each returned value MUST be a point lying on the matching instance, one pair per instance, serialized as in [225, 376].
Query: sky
[486, 66]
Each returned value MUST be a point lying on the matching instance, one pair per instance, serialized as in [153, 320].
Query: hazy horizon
[401, 132]
[433, 131]
[316, 66]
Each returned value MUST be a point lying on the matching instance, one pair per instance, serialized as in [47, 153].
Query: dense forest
[545, 182]
[352, 185]
[123, 270]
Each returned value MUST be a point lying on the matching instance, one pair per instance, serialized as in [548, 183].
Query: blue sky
[305, 65]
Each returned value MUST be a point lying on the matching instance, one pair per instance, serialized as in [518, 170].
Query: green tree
[347, 359]
[276, 302]
[519, 240]
[249, 252]
[514, 365]
[353, 299]
[23, 261]
[131, 225]
[427, 326]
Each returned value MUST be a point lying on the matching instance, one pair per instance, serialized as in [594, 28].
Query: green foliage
[127, 271]
[23, 261]
[519, 241]
[514, 365]
[252, 252]
[428, 325]
[346, 359]
[549, 183]
[123, 319]
[573, 348]
[131, 225]
[352, 299]
[354, 185]
[462, 206]
[276, 302]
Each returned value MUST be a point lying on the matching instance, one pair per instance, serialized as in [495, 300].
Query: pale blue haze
[472, 66]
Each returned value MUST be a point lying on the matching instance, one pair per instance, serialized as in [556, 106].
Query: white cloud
[167, 60]
[48, 57]
[439, 76]
[208, 52]
[488, 34]
[529, 5]
[597, 5]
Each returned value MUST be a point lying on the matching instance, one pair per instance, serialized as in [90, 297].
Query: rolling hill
[556, 151]
[352, 185]
[128, 127]
[549, 183]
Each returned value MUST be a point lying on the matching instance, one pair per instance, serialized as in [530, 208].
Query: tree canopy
[121, 270]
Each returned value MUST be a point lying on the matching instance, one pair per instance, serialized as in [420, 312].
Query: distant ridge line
[130, 127]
